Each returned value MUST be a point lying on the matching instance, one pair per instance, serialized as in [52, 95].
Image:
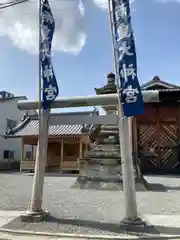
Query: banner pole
[131, 214]
[35, 211]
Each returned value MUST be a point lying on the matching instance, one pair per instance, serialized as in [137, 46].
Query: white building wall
[9, 110]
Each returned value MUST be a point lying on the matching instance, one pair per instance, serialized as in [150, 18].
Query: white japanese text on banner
[50, 87]
[131, 96]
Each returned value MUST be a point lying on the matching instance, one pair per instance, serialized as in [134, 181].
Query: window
[8, 154]
[28, 155]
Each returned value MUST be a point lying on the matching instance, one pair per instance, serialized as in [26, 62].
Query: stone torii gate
[35, 213]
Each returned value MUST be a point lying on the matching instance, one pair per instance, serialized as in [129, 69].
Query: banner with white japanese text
[131, 95]
[50, 87]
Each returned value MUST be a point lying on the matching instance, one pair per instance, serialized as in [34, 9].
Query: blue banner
[50, 87]
[131, 96]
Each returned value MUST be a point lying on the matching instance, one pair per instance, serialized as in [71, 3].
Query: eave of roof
[157, 82]
[13, 98]
[30, 127]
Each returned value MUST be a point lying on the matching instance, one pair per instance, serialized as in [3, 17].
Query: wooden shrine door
[158, 138]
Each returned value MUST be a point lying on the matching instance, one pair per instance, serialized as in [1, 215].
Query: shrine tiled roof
[30, 127]
[157, 84]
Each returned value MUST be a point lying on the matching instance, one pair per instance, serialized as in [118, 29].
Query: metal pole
[126, 155]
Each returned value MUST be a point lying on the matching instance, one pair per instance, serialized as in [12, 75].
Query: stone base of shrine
[84, 182]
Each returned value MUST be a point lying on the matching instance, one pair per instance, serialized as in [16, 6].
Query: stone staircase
[100, 168]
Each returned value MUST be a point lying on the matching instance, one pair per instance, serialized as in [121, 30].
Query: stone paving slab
[44, 236]
[35, 237]
[157, 225]
[8, 216]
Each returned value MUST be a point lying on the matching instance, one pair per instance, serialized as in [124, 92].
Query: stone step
[104, 148]
[97, 170]
[102, 174]
[108, 133]
[110, 126]
[88, 184]
[101, 161]
[109, 147]
[100, 154]
[108, 141]
[85, 183]
[107, 178]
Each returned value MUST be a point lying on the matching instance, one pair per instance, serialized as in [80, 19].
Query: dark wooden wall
[158, 138]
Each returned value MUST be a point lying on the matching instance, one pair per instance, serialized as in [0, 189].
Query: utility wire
[16, 2]
[12, 3]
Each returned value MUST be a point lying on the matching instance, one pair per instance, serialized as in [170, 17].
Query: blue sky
[157, 33]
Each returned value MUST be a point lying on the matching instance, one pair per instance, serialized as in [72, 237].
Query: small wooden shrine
[66, 143]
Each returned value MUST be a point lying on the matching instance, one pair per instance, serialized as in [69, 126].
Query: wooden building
[158, 133]
[66, 143]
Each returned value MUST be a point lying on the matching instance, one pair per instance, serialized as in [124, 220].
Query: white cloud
[20, 24]
[101, 3]
[104, 3]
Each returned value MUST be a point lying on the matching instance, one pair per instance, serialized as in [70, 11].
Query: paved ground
[90, 211]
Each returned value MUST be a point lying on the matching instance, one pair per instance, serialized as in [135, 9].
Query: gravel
[84, 211]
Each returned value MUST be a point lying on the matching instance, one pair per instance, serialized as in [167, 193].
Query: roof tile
[32, 129]
[30, 126]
